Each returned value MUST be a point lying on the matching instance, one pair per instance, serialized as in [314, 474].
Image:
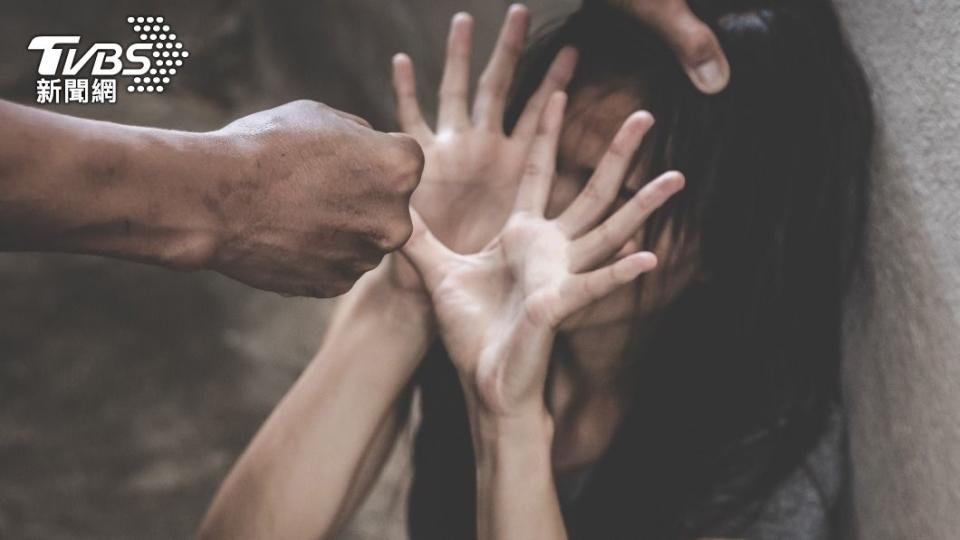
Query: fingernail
[710, 76]
[643, 115]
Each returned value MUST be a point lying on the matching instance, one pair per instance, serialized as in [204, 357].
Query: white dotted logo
[166, 58]
[71, 71]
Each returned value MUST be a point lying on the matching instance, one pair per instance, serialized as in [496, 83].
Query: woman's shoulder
[804, 505]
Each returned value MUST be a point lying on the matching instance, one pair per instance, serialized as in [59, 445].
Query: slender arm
[516, 494]
[319, 451]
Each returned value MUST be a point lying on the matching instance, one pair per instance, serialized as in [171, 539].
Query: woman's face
[593, 116]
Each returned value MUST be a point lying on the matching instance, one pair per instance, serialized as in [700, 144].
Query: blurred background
[127, 391]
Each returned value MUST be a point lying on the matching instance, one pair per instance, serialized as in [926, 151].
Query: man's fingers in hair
[694, 43]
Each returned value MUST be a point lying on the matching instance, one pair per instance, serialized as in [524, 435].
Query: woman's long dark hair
[738, 383]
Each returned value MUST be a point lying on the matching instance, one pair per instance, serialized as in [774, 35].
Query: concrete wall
[903, 365]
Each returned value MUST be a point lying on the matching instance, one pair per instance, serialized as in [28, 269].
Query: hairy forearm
[84, 186]
[316, 455]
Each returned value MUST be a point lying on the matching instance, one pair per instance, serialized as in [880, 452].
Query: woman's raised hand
[498, 308]
[472, 166]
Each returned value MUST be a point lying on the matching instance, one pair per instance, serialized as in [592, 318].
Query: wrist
[378, 294]
[509, 380]
[180, 177]
[380, 337]
[516, 445]
[527, 426]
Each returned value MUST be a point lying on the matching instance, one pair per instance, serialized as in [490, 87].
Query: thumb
[694, 43]
[425, 252]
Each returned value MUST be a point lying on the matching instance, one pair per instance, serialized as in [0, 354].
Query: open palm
[498, 308]
[472, 167]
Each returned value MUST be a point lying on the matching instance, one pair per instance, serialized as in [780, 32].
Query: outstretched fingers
[582, 289]
[495, 81]
[408, 107]
[557, 77]
[601, 190]
[538, 173]
[427, 254]
[455, 86]
[601, 243]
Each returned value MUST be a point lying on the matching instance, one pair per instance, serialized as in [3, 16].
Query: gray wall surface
[903, 354]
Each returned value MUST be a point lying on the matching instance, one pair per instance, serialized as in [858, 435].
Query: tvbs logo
[70, 74]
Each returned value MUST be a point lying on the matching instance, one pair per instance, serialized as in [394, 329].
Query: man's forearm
[84, 186]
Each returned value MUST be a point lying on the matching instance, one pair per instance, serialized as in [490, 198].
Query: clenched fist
[319, 199]
[301, 199]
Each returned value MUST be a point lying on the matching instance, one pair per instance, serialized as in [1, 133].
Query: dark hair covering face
[737, 385]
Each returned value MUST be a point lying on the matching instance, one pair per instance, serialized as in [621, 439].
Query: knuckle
[591, 193]
[316, 290]
[697, 43]
[401, 233]
[554, 80]
[359, 120]
[605, 233]
[362, 122]
[363, 266]
[486, 80]
[532, 169]
[306, 104]
[492, 84]
[512, 49]
[341, 286]
[405, 163]
[543, 128]
[345, 275]
[693, 40]
[394, 238]
[383, 244]
[196, 253]
[452, 94]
